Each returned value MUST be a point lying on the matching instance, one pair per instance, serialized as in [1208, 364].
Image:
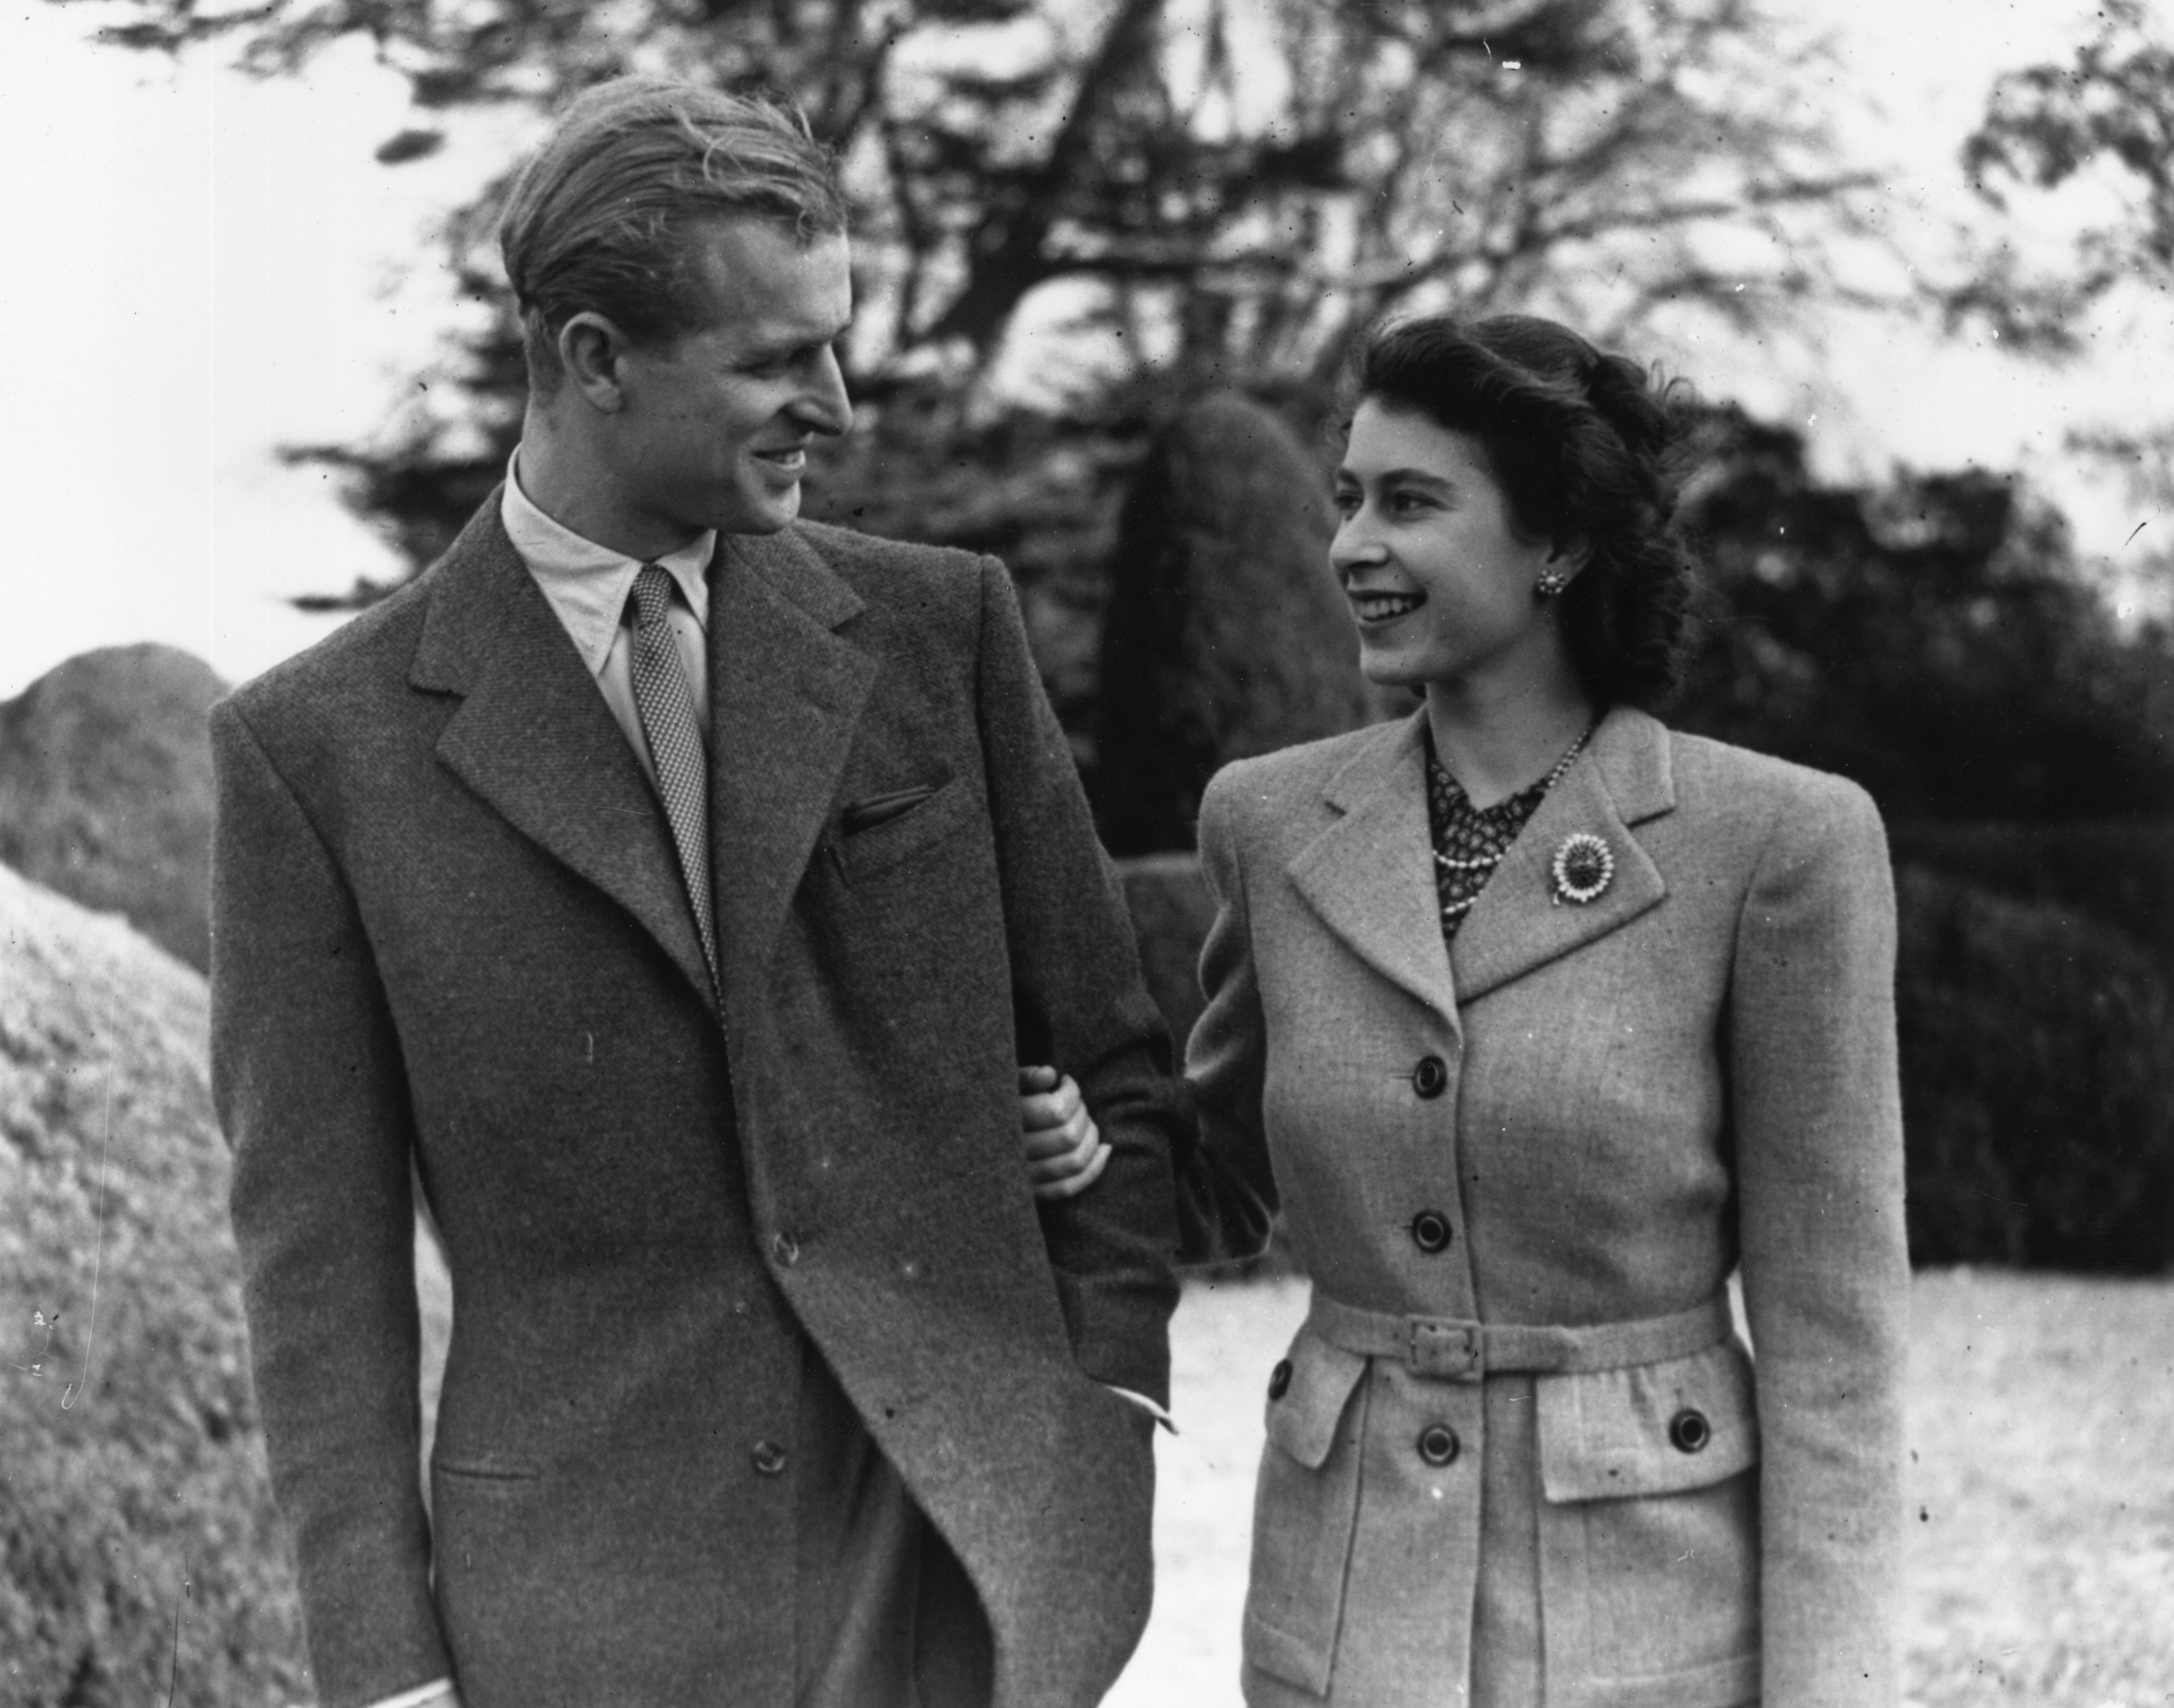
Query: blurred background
[1916, 263]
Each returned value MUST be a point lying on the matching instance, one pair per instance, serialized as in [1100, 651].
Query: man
[672, 889]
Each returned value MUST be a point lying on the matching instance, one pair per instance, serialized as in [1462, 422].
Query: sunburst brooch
[1584, 867]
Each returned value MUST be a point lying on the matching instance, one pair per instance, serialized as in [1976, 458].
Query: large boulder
[1226, 636]
[106, 789]
[142, 1560]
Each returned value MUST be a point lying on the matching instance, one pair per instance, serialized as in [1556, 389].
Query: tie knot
[652, 595]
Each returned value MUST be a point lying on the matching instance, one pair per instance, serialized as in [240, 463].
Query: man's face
[717, 422]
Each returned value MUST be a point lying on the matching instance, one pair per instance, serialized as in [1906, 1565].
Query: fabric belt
[1451, 1349]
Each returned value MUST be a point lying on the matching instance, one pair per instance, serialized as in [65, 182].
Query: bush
[1225, 634]
[2037, 1084]
[106, 789]
[2119, 871]
[143, 1563]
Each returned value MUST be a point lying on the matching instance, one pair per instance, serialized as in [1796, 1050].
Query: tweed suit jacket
[1691, 1073]
[449, 929]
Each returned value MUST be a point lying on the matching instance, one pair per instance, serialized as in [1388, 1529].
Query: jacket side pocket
[1649, 1533]
[1305, 1507]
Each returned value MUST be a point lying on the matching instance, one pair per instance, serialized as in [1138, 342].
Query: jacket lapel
[1517, 924]
[1369, 875]
[786, 698]
[534, 739]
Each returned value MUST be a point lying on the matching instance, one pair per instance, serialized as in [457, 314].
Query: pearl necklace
[1488, 862]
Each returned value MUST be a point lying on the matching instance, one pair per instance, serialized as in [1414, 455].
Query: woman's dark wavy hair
[1586, 446]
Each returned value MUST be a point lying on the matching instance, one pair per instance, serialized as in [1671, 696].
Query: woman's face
[1440, 585]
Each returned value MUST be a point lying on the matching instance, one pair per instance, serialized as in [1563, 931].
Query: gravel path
[2041, 1492]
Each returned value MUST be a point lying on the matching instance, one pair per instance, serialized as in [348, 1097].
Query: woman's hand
[1065, 1152]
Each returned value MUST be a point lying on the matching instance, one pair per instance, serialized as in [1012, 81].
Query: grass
[2041, 1487]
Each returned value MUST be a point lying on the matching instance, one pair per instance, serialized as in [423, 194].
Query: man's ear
[593, 353]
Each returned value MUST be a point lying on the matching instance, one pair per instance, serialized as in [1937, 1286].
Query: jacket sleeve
[307, 1079]
[1079, 1003]
[1816, 1115]
[1226, 1192]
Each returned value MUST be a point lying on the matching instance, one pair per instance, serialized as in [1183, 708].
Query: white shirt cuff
[1146, 1405]
[437, 1690]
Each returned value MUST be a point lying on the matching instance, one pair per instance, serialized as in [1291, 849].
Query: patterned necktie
[675, 745]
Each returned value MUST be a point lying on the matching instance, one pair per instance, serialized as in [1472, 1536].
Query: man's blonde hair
[598, 219]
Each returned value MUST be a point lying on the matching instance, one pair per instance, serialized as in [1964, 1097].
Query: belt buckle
[1445, 1350]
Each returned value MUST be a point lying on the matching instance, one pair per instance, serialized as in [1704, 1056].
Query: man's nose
[824, 406]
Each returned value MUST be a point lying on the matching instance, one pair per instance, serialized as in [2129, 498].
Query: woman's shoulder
[1718, 779]
[1273, 780]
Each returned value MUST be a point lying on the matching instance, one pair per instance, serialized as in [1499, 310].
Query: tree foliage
[2098, 132]
[1931, 637]
[1228, 186]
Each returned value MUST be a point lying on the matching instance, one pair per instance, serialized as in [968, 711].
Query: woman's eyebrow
[1407, 477]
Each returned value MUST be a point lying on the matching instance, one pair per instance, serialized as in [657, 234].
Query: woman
[1537, 1019]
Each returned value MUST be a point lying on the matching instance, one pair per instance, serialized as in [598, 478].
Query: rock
[142, 1561]
[106, 789]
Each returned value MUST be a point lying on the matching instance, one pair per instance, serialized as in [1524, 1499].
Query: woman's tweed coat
[1692, 1072]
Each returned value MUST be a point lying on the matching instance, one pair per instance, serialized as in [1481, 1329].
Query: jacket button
[1430, 1231]
[1430, 1079]
[1688, 1430]
[1279, 1378]
[1438, 1444]
[786, 1249]
[769, 1457]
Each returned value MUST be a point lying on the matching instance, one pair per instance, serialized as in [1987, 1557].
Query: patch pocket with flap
[1305, 1507]
[1649, 1532]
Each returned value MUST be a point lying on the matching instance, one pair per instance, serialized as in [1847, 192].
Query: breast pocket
[1305, 1506]
[1649, 1532]
[878, 832]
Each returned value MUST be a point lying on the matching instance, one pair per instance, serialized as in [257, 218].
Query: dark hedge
[2037, 1084]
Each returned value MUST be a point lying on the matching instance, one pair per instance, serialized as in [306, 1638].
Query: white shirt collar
[588, 584]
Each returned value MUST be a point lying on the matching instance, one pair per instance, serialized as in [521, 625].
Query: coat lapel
[1369, 875]
[535, 739]
[1517, 924]
[786, 698]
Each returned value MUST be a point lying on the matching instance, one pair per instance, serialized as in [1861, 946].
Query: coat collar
[1368, 874]
[1370, 878]
[1624, 779]
[534, 739]
[786, 698]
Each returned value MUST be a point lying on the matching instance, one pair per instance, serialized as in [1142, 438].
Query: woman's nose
[1354, 545]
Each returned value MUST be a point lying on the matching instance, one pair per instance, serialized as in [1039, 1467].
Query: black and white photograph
[1036, 853]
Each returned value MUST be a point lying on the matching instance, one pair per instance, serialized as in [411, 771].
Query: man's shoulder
[897, 573]
[364, 657]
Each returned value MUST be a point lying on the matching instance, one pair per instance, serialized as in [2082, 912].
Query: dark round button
[769, 1458]
[1279, 1378]
[1430, 1079]
[1438, 1444]
[786, 1249]
[1689, 1432]
[1430, 1231]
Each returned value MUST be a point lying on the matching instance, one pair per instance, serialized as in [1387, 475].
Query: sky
[203, 268]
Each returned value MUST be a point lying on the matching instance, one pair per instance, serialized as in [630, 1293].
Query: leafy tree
[1931, 637]
[2098, 131]
[1229, 187]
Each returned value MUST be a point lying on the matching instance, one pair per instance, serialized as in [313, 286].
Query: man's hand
[1065, 1152]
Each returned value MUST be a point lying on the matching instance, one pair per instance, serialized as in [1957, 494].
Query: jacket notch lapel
[533, 738]
[1518, 923]
[1369, 874]
[786, 694]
